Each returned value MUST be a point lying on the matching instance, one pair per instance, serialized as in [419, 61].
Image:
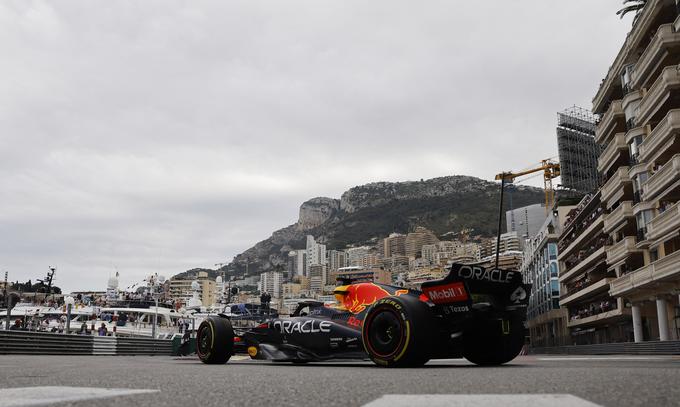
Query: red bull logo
[358, 297]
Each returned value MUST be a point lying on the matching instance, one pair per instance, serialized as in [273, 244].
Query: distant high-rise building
[526, 221]
[297, 263]
[355, 255]
[316, 252]
[577, 149]
[336, 259]
[394, 245]
[415, 240]
[318, 276]
[272, 283]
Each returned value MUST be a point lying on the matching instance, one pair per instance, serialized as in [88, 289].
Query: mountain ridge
[371, 211]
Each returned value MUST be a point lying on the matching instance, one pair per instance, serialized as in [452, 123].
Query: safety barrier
[624, 348]
[43, 343]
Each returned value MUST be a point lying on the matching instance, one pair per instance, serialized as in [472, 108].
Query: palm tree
[631, 5]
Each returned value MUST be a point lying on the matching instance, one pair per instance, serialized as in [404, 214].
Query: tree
[630, 6]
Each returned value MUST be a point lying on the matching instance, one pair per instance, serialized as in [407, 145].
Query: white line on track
[468, 400]
[589, 358]
[33, 396]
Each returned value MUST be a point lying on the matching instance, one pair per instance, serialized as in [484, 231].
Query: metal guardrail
[43, 343]
[624, 348]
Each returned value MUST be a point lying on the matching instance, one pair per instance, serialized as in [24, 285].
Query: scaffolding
[577, 149]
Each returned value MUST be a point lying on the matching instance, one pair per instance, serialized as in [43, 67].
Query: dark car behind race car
[474, 312]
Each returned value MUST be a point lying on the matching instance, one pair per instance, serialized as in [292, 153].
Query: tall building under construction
[577, 149]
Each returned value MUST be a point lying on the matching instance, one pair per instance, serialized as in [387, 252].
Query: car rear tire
[492, 340]
[215, 341]
[399, 332]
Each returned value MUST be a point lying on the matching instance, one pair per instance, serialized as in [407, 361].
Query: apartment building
[355, 255]
[180, 289]
[415, 240]
[336, 259]
[271, 282]
[509, 242]
[297, 263]
[639, 104]
[594, 315]
[356, 273]
[318, 277]
[450, 251]
[316, 253]
[547, 322]
[395, 264]
[394, 245]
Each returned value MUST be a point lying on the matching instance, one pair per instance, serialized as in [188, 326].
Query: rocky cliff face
[316, 212]
[381, 193]
[375, 210]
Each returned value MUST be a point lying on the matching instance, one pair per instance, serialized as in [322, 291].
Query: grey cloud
[164, 135]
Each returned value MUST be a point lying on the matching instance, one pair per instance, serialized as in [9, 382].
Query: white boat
[124, 321]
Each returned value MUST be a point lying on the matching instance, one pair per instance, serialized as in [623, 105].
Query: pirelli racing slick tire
[493, 340]
[399, 332]
[215, 340]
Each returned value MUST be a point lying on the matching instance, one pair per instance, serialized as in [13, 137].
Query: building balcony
[612, 153]
[647, 17]
[664, 223]
[598, 319]
[666, 268]
[635, 132]
[667, 178]
[629, 105]
[618, 216]
[662, 138]
[612, 120]
[587, 292]
[582, 237]
[664, 42]
[613, 190]
[621, 249]
[584, 265]
[658, 93]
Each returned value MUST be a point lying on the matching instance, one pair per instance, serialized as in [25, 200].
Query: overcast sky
[159, 136]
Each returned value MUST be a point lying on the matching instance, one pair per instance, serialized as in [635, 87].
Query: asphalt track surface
[172, 381]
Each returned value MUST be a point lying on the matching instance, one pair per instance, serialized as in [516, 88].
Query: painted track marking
[466, 400]
[40, 395]
[595, 358]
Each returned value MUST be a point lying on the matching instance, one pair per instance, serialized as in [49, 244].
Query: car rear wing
[467, 284]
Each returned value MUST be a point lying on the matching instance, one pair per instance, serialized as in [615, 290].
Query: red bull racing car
[474, 313]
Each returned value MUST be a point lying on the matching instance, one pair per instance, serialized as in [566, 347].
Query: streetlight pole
[8, 302]
[500, 220]
[69, 305]
[156, 282]
[155, 319]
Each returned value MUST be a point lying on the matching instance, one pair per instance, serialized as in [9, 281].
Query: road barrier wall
[43, 343]
[625, 348]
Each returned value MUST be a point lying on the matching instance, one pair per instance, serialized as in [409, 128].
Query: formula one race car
[474, 312]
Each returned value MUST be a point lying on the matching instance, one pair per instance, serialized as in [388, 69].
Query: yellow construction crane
[550, 170]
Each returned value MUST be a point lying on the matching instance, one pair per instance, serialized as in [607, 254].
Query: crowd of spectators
[591, 309]
[578, 285]
[575, 230]
[582, 254]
